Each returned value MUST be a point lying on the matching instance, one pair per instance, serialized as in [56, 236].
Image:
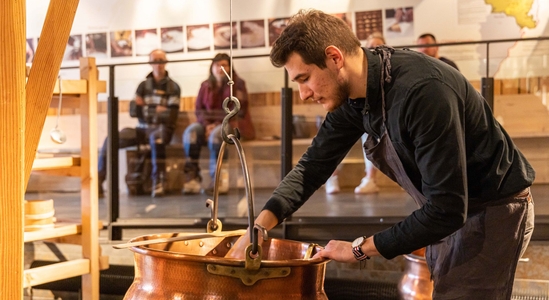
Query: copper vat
[416, 282]
[197, 269]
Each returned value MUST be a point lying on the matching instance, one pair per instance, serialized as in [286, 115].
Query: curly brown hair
[309, 33]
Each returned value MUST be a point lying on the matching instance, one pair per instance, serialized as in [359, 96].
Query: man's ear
[334, 55]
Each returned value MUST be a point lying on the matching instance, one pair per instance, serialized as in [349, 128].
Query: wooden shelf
[60, 229]
[83, 94]
[57, 271]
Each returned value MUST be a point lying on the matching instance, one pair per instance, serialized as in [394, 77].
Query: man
[157, 107]
[429, 130]
[429, 39]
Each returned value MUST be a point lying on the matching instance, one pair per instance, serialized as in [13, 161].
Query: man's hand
[209, 129]
[343, 251]
[160, 109]
[139, 101]
[340, 251]
[266, 219]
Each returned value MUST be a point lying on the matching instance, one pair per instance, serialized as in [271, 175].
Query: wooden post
[43, 75]
[89, 183]
[12, 128]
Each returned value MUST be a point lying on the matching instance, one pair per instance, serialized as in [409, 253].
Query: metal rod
[113, 200]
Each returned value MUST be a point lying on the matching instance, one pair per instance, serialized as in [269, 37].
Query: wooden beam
[12, 128]
[57, 271]
[89, 183]
[43, 74]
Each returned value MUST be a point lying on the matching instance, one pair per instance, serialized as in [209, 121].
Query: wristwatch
[357, 251]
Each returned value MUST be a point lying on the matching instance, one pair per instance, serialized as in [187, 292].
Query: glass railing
[512, 74]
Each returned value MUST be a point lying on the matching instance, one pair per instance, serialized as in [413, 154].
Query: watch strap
[359, 255]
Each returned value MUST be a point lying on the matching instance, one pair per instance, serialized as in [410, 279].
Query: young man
[157, 100]
[429, 130]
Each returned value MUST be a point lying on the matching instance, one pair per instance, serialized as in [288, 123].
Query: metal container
[197, 269]
[416, 282]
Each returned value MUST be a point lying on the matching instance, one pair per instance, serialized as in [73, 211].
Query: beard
[341, 95]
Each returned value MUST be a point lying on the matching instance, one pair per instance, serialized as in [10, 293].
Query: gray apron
[479, 260]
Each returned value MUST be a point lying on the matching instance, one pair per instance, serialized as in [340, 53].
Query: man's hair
[150, 53]
[211, 77]
[428, 35]
[309, 33]
[376, 35]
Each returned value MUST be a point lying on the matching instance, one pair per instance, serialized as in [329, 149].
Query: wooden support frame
[12, 148]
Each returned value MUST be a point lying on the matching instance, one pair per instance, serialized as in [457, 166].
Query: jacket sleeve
[334, 139]
[200, 108]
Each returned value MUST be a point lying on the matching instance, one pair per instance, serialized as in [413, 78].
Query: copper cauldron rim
[225, 261]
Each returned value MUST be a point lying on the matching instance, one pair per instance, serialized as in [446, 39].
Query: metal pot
[416, 282]
[197, 269]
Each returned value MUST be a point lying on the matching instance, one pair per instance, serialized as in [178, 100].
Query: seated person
[368, 182]
[207, 130]
[157, 107]
[427, 39]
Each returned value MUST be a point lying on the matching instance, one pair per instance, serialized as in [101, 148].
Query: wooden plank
[43, 74]
[12, 150]
[71, 87]
[77, 87]
[41, 164]
[89, 184]
[60, 230]
[58, 271]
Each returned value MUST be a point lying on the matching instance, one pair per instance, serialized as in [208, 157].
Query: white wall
[449, 20]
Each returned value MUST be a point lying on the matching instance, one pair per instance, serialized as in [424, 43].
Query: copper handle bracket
[249, 277]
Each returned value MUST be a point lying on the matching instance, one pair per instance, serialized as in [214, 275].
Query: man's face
[158, 56]
[431, 51]
[321, 85]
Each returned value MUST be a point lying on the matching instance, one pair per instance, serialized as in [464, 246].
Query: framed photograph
[252, 33]
[399, 22]
[222, 36]
[346, 17]
[368, 22]
[198, 37]
[146, 40]
[121, 43]
[73, 51]
[96, 45]
[275, 28]
[172, 39]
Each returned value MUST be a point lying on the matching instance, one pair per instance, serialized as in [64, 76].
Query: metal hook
[226, 127]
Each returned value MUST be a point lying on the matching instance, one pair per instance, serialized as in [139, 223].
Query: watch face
[358, 241]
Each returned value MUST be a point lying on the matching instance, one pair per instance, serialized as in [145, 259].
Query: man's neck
[358, 73]
[159, 77]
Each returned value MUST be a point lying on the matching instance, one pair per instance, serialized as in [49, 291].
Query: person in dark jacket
[429, 39]
[157, 106]
[430, 131]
